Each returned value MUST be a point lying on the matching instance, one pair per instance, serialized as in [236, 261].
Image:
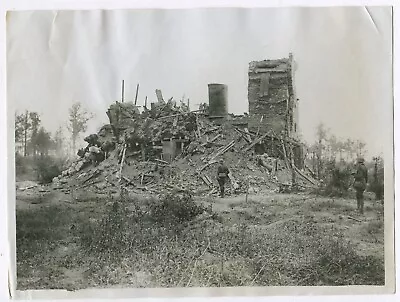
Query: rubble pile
[168, 148]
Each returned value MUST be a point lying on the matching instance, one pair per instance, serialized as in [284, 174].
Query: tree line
[328, 148]
[33, 139]
[332, 160]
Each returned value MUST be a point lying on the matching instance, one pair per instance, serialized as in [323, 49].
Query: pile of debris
[168, 148]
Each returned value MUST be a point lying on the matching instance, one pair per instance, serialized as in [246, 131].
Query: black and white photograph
[201, 148]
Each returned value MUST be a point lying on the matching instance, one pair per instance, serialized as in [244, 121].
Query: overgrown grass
[44, 226]
[297, 253]
[332, 204]
[39, 232]
[166, 243]
[142, 228]
[374, 227]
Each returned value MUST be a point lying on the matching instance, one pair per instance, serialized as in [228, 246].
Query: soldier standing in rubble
[222, 176]
[360, 183]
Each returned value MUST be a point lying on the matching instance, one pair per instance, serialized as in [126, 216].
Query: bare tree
[77, 123]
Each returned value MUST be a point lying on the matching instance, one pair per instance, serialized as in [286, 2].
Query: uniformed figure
[360, 183]
[222, 176]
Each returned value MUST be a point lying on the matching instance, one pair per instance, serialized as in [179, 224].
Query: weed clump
[176, 209]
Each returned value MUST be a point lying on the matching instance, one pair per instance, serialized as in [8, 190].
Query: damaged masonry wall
[272, 98]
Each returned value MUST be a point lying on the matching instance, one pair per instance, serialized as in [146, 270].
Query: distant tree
[354, 152]
[19, 129]
[340, 146]
[322, 133]
[360, 148]
[333, 146]
[77, 123]
[59, 141]
[376, 184]
[346, 149]
[313, 150]
[349, 148]
[35, 123]
[25, 125]
[43, 142]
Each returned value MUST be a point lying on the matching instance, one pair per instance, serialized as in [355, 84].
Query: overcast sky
[343, 56]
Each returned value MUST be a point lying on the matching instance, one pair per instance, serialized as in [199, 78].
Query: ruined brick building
[272, 118]
[273, 105]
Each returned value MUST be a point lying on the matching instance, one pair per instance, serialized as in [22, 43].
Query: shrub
[376, 182]
[377, 187]
[175, 208]
[337, 183]
[47, 168]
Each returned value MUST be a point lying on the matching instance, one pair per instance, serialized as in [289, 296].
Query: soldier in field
[360, 183]
[222, 176]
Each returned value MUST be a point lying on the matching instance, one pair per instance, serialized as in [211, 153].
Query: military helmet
[360, 160]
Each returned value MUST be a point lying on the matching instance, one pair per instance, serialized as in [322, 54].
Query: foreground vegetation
[176, 242]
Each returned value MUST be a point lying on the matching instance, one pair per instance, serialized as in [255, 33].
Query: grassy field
[137, 241]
